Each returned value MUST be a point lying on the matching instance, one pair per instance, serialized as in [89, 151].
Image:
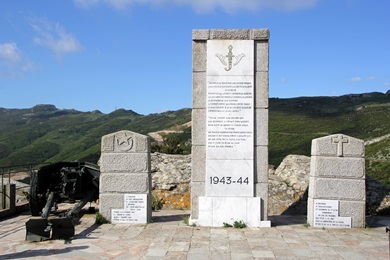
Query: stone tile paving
[169, 238]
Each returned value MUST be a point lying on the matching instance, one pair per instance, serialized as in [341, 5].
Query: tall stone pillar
[229, 180]
[125, 179]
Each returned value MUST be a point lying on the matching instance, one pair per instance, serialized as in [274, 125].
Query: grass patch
[236, 224]
[186, 219]
[156, 202]
[227, 225]
[239, 224]
[99, 219]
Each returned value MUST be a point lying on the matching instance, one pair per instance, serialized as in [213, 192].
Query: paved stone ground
[169, 238]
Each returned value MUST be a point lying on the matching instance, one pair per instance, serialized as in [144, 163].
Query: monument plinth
[230, 127]
[125, 179]
[337, 193]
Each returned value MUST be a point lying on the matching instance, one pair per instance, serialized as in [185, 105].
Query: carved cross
[339, 140]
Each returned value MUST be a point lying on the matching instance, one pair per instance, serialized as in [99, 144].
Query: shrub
[100, 219]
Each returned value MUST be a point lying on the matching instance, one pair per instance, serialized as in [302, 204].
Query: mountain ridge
[45, 133]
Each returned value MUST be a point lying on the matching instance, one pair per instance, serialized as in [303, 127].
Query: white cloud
[9, 53]
[28, 66]
[12, 62]
[386, 83]
[283, 80]
[54, 37]
[356, 79]
[209, 5]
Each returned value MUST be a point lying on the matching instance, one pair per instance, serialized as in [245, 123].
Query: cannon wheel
[35, 204]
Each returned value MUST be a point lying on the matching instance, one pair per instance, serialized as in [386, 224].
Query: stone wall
[287, 184]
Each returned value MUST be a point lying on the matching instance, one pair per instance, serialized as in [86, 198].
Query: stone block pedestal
[125, 179]
[337, 193]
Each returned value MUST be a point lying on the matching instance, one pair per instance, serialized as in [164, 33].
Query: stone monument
[229, 179]
[337, 193]
[125, 179]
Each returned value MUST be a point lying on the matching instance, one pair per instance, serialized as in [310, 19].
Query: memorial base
[215, 211]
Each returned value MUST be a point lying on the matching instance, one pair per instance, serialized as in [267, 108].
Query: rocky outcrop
[171, 178]
[376, 140]
[377, 197]
[287, 185]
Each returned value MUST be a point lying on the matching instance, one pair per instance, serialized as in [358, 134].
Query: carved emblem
[124, 142]
[340, 140]
[230, 57]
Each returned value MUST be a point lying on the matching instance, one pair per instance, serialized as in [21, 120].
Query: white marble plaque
[230, 118]
[230, 57]
[229, 178]
[134, 212]
[122, 216]
[326, 214]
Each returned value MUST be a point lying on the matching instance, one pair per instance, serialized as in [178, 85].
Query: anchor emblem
[230, 57]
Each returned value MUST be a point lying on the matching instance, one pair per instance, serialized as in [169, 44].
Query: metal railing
[7, 172]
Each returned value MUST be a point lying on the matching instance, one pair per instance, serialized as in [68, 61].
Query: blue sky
[136, 54]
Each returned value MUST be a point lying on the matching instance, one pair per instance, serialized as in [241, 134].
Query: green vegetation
[227, 225]
[47, 134]
[156, 202]
[378, 161]
[186, 219]
[181, 140]
[171, 145]
[236, 224]
[36, 152]
[239, 224]
[99, 219]
[293, 123]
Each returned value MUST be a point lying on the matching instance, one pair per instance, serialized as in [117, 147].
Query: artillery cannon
[57, 183]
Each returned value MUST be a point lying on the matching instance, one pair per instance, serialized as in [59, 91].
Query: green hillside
[294, 122]
[47, 134]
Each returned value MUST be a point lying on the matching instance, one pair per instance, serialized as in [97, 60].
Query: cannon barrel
[49, 204]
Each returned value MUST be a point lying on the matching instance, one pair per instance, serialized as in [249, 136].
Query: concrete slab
[169, 238]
